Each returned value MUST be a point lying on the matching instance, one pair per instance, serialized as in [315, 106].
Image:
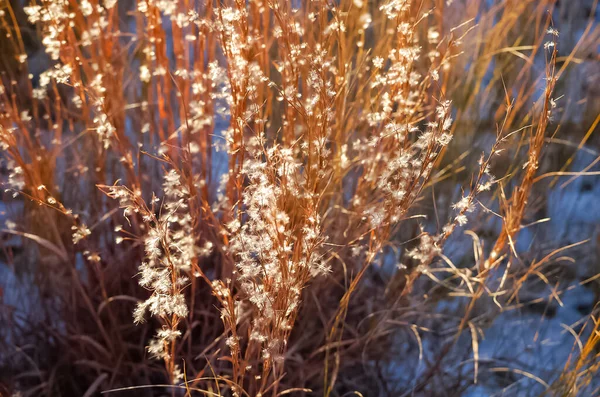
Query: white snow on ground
[523, 349]
[522, 340]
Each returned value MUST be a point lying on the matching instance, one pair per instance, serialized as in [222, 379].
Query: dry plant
[237, 174]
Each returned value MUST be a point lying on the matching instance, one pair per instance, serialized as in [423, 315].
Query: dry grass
[240, 174]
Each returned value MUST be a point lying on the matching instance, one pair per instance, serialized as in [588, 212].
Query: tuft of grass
[262, 197]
